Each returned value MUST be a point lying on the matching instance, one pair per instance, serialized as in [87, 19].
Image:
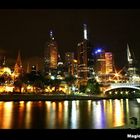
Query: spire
[51, 35]
[129, 56]
[85, 32]
[18, 62]
[4, 61]
[18, 65]
[28, 67]
[37, 67]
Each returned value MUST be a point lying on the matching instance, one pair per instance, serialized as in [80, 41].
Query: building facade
[84, 59]
[109, 62]
[50, 54]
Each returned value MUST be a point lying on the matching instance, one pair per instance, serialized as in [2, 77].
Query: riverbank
[45, 97]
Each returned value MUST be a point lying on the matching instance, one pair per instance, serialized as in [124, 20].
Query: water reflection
[74, 115]
[98, 115]
[7, 115]
[118, 113]
[67, 114]
[28, 116]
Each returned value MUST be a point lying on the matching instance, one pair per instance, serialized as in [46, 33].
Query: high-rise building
[74, 68]
[109, 62]
[100, 64]
[69, 57]
[104, 62]
[104, 65]
[51, 54]
[82, 62]
[84, 59]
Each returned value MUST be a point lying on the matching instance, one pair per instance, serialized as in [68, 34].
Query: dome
[5, 70]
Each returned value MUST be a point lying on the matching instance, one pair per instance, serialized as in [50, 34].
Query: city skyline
[28, 31]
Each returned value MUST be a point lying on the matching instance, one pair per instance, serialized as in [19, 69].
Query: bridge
[113, 86]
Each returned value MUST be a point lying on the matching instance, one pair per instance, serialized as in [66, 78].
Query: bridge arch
[121, 87]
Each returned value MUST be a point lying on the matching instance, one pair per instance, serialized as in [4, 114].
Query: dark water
[100, 114]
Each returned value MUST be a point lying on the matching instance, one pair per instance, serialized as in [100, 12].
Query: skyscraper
[51, 54]
[84, 59]
[109, 62]
[100, 65]
[69, 57]
[104, 65]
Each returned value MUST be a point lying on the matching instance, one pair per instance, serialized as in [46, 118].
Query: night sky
[28, 30]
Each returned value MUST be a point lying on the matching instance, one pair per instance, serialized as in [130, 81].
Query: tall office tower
[74, 67]
[84, 59]
[69, 57]
[18, 66]
[100, 65]
[60, 66]
[109, 62]
[51, 54]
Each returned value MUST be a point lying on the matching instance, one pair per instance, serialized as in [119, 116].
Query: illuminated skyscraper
[104, 62]
[51, 54]
[109, 62]
[84, 59]
[82, 62]
[70, 63]
[100, 65]
[69, 56]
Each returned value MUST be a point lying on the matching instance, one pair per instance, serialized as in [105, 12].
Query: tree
[93, 87]
[18, 84]
[37, 80]
[70, 80]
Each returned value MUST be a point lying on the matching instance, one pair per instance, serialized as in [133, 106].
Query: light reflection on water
[118, 113]
[74, 115]
[7, 115]
[100, 114]
[28, 114]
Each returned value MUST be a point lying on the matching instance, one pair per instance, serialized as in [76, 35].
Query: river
[87, 114]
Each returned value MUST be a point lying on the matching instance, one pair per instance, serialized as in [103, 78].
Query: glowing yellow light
[2, 88]
[97, 111]
[74, 115]
[28, 114]
[118, 113]
[75, 61]
[9, 89]
[7, 118]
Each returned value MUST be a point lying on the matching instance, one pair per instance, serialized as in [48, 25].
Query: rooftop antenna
[51, 35]
[4, 61]
[85, 32]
